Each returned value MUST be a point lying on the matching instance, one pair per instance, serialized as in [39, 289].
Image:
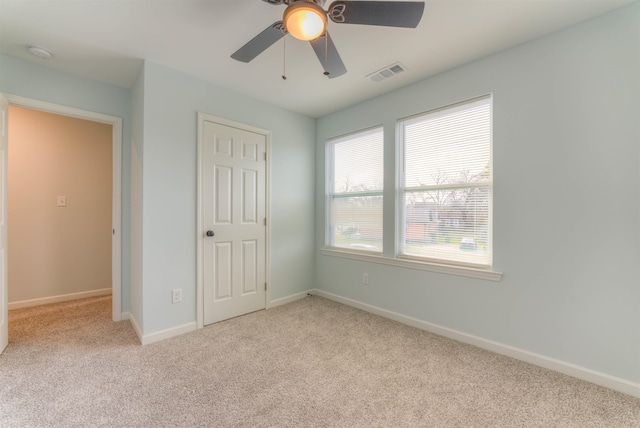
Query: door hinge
[265, 286]
[265, 221]
[265, 155]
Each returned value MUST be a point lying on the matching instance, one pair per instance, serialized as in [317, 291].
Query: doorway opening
[80, 221]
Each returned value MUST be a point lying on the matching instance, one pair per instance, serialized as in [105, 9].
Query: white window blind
[355, 186]
[446, 184]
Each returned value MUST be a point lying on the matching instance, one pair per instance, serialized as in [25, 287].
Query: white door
[4, 289]
[234, 221]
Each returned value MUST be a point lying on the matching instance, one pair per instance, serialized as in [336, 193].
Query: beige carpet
[312, 363]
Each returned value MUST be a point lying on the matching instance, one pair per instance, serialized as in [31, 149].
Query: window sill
[485, 274]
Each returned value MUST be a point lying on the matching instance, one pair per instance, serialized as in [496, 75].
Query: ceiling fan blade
[386, 13]
[260, 43]
[328, 55]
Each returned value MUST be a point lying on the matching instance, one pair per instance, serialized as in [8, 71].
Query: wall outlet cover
[176, 295]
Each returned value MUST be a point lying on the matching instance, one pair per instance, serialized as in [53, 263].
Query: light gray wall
[169, 179]
[566, 200]
[28, 80]
[162, 108]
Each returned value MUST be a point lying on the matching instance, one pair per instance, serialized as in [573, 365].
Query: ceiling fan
[307, 20]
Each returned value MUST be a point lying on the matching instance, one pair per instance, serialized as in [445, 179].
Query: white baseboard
[602, 379]
[192, 326]
[160, 335]
[135, 326]
[124, 316]
[57, 299]
[289, 299]
[168, 333]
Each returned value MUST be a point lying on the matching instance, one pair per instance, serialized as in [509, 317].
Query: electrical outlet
[365, 278]
[176, 295]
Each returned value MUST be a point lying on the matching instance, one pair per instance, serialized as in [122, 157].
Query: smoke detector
[40, 52]
[387, 72]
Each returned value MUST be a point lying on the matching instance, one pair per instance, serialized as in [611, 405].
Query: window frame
[390, 256]
[402, 189]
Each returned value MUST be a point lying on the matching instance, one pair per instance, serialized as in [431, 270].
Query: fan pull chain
[284, 58]
[326, 52]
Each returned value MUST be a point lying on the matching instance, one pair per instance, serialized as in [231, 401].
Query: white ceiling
[106, 40]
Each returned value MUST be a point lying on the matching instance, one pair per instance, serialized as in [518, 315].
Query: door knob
[210, 233]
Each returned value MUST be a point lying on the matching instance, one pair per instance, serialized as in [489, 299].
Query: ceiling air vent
[387, 72]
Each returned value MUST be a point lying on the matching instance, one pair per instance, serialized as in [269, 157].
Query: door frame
[202, 118]
[116, 199]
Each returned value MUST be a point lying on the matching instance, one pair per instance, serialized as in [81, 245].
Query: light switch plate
[62, 201]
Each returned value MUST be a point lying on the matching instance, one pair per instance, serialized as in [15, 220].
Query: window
[443, 193]
[355, 184]
[445, 182]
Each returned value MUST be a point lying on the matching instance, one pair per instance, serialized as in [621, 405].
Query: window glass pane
[446, 199]
[358, 163]
[450, 225]
[357, 222]
[449, 147]
[355, 196]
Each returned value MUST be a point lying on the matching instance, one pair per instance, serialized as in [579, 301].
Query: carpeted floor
[311, 363]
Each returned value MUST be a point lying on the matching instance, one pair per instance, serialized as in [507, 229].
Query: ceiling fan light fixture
[305, 20]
